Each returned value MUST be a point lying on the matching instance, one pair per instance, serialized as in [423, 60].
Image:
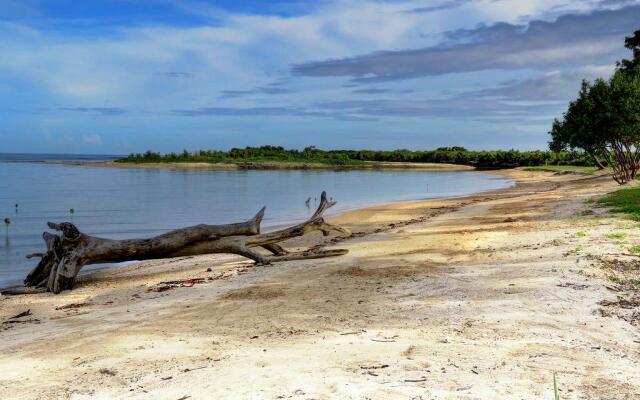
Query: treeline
[450, 155]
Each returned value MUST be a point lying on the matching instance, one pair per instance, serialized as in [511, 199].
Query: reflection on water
[119, 203]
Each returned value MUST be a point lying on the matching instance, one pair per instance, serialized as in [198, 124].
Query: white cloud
[237, 50]
[128, 75]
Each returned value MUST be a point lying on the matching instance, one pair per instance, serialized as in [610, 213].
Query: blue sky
[123, 76]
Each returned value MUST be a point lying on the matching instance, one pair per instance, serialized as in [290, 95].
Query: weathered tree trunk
[624, 159]
[68, 252]
[596, 160]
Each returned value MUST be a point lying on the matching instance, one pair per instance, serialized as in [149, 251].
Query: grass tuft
[616, 235]
[634, 249]
[556, 395]
[626, 201]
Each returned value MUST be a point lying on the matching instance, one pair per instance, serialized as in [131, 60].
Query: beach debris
[168, 285]
[22, 314]
[576, 286]
[72, 306]
[353, 332]
[385, 339]
[107, 371]
[380, 366]
[70, 250]
[16, 319]
[408, 352]
[163, 286]
[623, 302]
[193, 369]
[21, 321]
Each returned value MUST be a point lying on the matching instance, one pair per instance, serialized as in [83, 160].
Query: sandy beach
[482, 297]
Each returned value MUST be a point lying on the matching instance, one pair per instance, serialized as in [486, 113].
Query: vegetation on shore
[625, 201]
[448, 155]
[604, 121]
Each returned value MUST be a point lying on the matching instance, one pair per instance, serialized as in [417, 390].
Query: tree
[576, 129]
[617, 115]
[632, 43]
[604, 120]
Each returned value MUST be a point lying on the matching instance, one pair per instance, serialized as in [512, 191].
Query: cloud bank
[570, 40]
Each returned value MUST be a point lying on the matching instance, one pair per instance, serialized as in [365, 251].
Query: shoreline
[19, 267]
[282, 223]
[475, 296]
[282, 220]
[273, 165]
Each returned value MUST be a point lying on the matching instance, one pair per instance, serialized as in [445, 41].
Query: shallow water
[130, 203]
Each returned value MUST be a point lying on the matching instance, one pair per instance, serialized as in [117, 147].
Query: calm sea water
[130, 203]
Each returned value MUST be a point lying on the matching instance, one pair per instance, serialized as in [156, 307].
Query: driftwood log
[70, 250]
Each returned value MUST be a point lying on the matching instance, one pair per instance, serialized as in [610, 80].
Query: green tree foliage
[451, 155]
[576, 129]
[632, 43]
[604, 121]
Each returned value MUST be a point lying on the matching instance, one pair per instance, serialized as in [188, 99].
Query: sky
[123, 76]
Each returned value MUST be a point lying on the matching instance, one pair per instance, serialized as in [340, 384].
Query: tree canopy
[632, 43]
[604, 120]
